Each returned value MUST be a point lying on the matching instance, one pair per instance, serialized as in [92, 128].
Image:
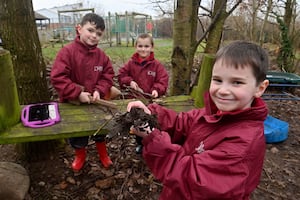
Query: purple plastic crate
[275, 130]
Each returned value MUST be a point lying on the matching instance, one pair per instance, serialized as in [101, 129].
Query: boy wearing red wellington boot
[83, 73]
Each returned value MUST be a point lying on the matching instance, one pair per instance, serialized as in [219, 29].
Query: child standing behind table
[83, 73]
[144, 73]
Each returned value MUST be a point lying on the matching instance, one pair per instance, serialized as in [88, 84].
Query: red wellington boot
[80, 155]
[104, 158]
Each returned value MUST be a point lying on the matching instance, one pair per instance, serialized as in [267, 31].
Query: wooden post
[109, 29]
[204, 79]
[9, 101]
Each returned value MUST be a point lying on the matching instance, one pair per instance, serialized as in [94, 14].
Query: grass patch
[49, 51]
[119, 54]
[122, 53]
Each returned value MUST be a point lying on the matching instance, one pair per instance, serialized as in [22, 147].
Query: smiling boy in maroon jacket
[144, 73]
[215, 152]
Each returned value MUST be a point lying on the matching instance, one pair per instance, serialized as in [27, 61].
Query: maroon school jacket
[149, 74]
[204, 154]
[78, 65]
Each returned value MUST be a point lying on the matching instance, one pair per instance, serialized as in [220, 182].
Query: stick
[106, 103]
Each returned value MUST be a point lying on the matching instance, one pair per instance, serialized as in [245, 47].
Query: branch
[216, 17]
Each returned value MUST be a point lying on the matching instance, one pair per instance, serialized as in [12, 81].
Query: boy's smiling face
[89, 35]
[144, 47]
[233, 89]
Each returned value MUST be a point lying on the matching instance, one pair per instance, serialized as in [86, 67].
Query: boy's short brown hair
[93, 19]
[143, 36]
[243, 53]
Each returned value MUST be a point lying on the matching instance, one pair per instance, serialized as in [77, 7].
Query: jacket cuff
[150, 137]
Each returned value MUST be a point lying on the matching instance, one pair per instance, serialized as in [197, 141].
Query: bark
[184, 46]
[215, 35]
[288, 14]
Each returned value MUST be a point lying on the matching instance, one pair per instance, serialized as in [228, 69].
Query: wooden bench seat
[82, 120]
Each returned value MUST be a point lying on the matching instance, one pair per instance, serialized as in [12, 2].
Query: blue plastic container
[275, 130]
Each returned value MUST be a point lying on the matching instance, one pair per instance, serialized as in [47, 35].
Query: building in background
[60, 23]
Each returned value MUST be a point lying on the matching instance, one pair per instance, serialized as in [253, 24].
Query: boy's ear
[261, 88]
[78, 28]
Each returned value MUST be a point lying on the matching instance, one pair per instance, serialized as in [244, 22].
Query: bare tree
[219, 16]
[165, 7]
[19, 35]
[268, 10]
[185, 44]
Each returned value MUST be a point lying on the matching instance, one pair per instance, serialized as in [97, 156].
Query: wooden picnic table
[82, 120]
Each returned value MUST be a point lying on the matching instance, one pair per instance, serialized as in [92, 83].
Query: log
[204, 79]
[9, 100]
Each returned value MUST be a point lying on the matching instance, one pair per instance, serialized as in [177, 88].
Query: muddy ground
[130, 179]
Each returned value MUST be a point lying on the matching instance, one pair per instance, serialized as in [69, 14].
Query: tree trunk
[213, 42]
[261, 33]
[255, 5]
[19, 35]
[215, 35]
[288, 14]
[286, 56]
[184, 44]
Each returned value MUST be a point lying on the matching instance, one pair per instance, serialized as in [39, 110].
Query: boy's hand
[142, 130]
[154, 93]
[134, 85]
[96, 96]
[138, 104]
[84, 97]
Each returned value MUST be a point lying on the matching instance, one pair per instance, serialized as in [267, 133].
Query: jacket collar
[83, 46]
[257, 111]
[136, 58]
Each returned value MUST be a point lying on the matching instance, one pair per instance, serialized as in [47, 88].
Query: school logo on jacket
[98, 68]
[200, 148]
[151, 73]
